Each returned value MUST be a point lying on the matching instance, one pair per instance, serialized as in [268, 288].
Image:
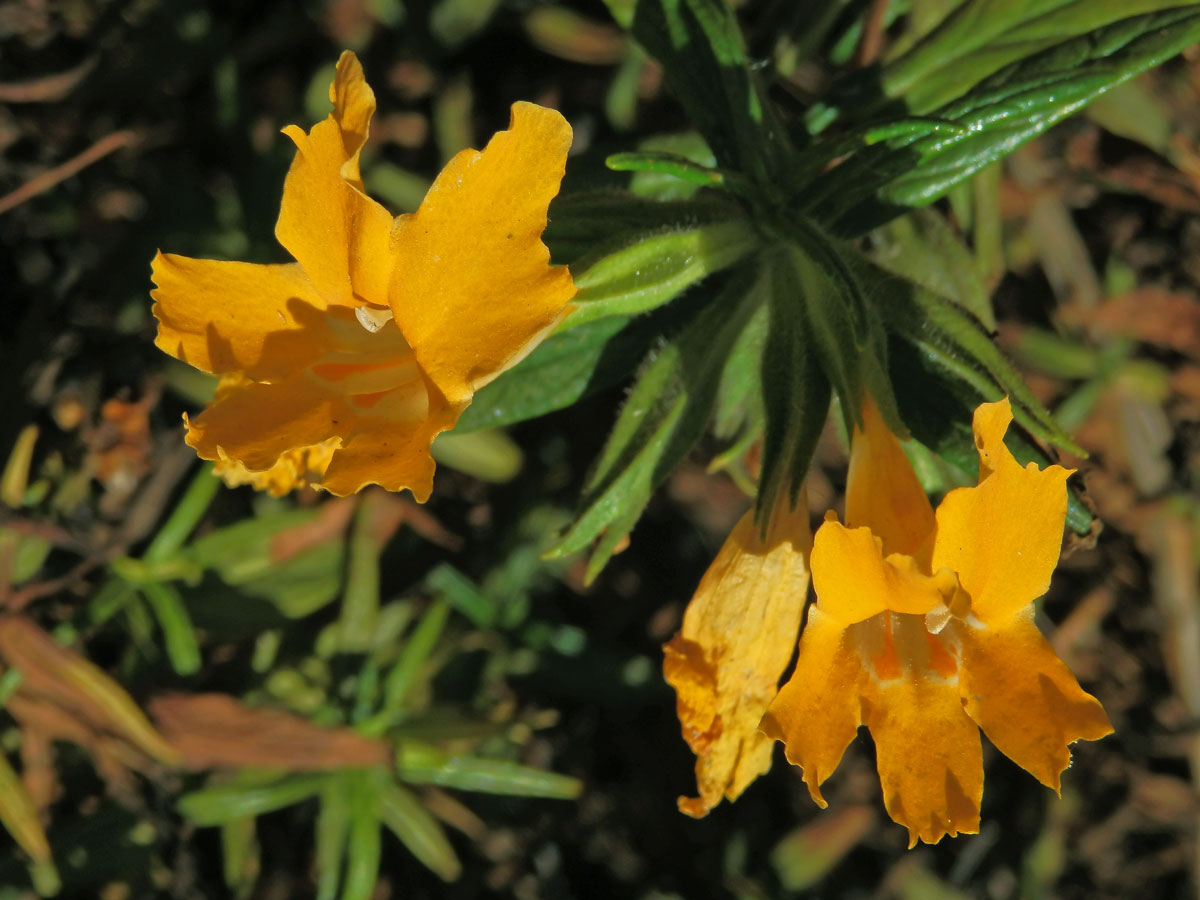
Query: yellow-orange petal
[1025, 698]
[882, 491]
[294, 469]
[818, 711]
[389, 445]
[255, 424]
[473, 288]
[738, 634]
[335, 231]
[928, 753]
[854, 581]
[1002, 537]
[265, 321]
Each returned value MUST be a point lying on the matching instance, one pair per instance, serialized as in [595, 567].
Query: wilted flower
[738, 634]
[923, 630]
[342, 367]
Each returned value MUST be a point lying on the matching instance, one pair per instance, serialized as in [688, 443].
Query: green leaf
[795, 391]
[417, 830]
[923, 248]
[699, 44]
[739, 394]
[20, 819]
[663, 163]
[982, 36]
[242, 555]
[229, 802]
[333, 829]
[952, 339]
[665, 186]
[564, 368]
[656, 268]
[582, 221]
[360, 599]
[998, 115]
[364, 844]
[418, 763]
[663, 418]
[241, 855]
[179, 635]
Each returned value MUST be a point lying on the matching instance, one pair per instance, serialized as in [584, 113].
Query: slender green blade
[228, 802]
[406, 818]
[422, 764]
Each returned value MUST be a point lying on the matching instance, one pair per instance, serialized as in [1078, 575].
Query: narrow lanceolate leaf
[738, 414]
[364, 846]
[420, 832]
[795, 390]
[955, 341]
[999, 114]
[333, 828]
[179, 635]
[699, 44]
[922, 247]
[19, 816]
[564, 368]
[422, 764]
[656, 268]
[982, 36]
[665, 415]
[663, 163]
[225, 803]
[581, 221]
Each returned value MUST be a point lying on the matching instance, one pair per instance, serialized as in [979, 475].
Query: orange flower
[923, 630]
[737, 637]
[343, 366]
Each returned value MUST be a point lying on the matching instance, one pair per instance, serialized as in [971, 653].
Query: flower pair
[922, 630]
[340, 368]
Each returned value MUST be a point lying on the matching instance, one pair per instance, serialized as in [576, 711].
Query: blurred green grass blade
[20, 819]
[453, 22]
[406, 818]
[15, 477]
[332, 832]
[488, 455]
[27, 552]
[422, 764]
[400, 189]
[404, 672]
[462, 594]
[364, 847]
[241, 858]
[360, 600]
[179, 635]
[656, 269]
[224, 803]
[185, 517]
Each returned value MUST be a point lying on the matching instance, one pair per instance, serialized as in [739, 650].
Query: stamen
[371, 318]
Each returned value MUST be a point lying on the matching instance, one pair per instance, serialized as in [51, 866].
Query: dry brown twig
[39, 184]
